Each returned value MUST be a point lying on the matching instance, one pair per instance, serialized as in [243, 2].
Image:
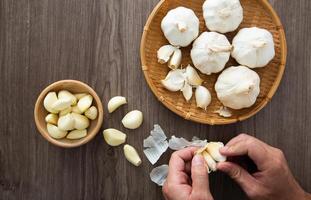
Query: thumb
[199, 175]
[238, 174]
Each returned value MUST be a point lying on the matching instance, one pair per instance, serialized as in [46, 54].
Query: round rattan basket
[257, 13]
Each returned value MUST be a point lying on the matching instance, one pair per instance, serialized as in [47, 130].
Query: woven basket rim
[211, 121]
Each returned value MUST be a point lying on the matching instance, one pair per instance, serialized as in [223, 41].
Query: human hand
[273, 180]
[179, 185]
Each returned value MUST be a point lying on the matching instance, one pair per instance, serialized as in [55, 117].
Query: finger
[199, 175]
[188, 167]
[238, 174]
[253, 148]
[236, 139]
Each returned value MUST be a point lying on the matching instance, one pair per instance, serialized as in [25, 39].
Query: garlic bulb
[222, 15]
[192, 76]
[174, 81]
[180, 26]
[238, 87]
[210, 52]
[253, 47]
[202, 97]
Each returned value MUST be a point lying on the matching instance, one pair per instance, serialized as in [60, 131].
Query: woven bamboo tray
[256, 13]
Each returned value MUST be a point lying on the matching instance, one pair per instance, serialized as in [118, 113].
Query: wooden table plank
[97, 41]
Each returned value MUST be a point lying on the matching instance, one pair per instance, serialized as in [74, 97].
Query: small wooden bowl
[74, 87]
[256, 13]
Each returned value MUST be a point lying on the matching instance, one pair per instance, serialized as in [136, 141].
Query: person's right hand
[273, 181]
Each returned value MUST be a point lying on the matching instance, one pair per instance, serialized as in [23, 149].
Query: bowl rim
[261, 105]
[90, 135]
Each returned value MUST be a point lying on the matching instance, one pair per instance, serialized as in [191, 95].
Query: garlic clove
[116, 102]
[114, 137]
[75, 109]
[49, 100]
[76, 134]
[80, 95]
[164, 53]
[174, 81]
[55, 132]
[133, 119]
[91, 113]
[131, 155]
[51, 118]
[202, 97]
[61, 104]
[209, 161]
[175, 59]
[85, 102]
[192, 76]
[65, 112]
[187, 91]
[66, 122]
[213, 150]
[64, 94]
[80, 121]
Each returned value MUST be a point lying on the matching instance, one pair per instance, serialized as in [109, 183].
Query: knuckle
[201, 196]
[243, 135]
[236, 173]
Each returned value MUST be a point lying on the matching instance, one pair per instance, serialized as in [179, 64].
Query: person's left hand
[179, 185]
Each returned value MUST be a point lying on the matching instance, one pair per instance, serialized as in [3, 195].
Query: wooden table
[97, 41]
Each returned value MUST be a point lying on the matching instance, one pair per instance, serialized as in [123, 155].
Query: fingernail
[197, 160]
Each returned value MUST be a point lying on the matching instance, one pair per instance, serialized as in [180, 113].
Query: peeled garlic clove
[49, 100]
[174, 81]
[65, 112]
[164, 53]
[210, 161]
[192, 76]
[66, 122]
[133, 119]
[75, 109]
[131, 155]
[202, 97]
[61, 104]
[55, 132]
[80, 95]
[187, 91]
[85, 102]
[114, 137]
[76, 134]
[80, 121]
[175, 60]
[51, 118]
[116, 102]
[213, 150]
[91, 113]
[64, 94]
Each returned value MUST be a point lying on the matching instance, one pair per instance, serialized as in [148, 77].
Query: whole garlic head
[210, 52]
[222, 15]
[180, 26]
[238, 87]
[253, 47]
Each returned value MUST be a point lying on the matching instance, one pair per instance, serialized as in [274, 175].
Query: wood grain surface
[97, 41]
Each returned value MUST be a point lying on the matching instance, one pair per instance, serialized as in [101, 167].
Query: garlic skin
[238, 87]
[213, 149]
[76, 134]
[66, 122]
[131, 155]
[180, 26]
[165, 52]
[80, 121]
[174, 81]
[133, 119]
[222, 15]
[253, 47]
[114, 137]
[202, 97]
[175, 59]
[223, 112]
[192, 76]
[55, 132]
[210, 52]
[116, 102]
[49, 100]
[187, 91]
